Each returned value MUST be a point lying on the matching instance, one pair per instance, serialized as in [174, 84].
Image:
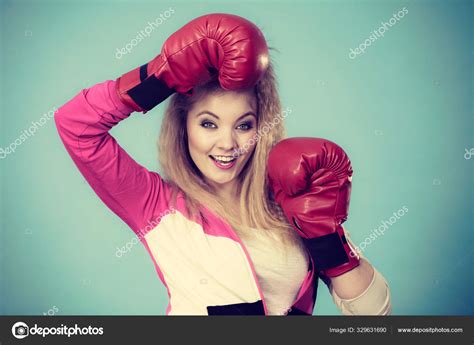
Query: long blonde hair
[256, 200]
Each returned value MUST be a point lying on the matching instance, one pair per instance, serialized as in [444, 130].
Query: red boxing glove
[228, 44]
[311, 181]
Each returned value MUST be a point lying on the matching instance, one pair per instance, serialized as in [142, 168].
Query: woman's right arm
[132, 192]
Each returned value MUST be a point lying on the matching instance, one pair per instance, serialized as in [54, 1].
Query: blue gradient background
[402, 110]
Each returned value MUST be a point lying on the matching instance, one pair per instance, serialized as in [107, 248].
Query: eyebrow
[217, 117]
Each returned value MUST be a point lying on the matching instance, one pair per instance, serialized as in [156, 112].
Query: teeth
[223, 158]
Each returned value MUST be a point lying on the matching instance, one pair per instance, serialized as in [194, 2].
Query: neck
[229, 193]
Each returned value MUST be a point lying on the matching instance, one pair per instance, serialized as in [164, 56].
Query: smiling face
[218, 126]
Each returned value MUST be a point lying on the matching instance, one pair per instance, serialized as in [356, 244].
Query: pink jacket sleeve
[132, 192]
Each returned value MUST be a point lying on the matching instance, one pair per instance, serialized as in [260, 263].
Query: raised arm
[311, 179]
[132, 192]
[361, 291]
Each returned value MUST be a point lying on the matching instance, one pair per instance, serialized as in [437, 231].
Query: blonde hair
[259, 213]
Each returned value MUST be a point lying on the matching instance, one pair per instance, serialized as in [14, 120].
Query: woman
[222, 234]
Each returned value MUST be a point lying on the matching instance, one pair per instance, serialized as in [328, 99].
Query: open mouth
[223, 162]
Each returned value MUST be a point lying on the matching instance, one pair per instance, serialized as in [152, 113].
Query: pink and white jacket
[203, 263]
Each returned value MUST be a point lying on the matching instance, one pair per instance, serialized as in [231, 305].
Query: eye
[246, 126]
[207, 124]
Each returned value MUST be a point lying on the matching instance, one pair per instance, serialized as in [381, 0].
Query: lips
[221, 164]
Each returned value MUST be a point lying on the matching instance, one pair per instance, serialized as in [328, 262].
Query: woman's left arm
[351, 284]
[362, 290]
[311, 180]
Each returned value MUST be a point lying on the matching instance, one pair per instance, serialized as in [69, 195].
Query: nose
[226, 140]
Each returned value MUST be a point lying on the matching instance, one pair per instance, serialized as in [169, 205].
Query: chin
[220, 182]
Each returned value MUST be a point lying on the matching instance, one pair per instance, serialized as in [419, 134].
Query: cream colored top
[280, 278]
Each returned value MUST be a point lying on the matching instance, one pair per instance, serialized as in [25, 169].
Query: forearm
[127, 188]
[361, 291]
[353, 283]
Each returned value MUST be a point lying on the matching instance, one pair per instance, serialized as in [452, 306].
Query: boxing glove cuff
[140, 91]
[332, 254]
